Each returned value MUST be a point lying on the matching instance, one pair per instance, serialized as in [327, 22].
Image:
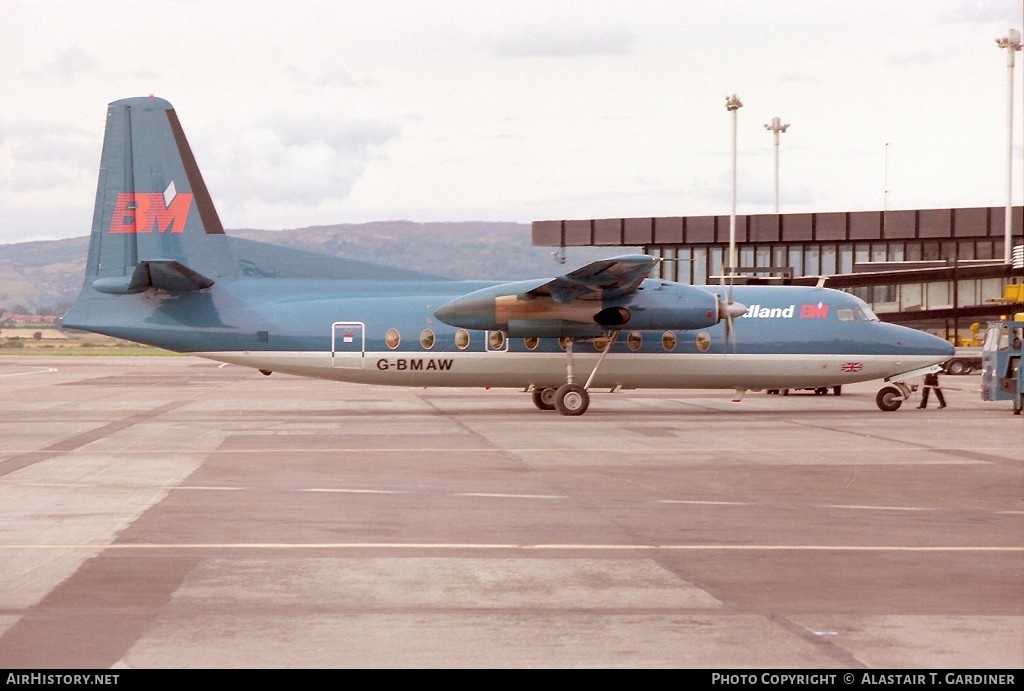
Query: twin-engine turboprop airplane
[162, 272]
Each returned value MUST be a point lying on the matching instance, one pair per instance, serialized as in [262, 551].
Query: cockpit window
[846, 314]
[867, 314]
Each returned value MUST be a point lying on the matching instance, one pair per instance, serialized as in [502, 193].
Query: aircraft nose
[923, 343]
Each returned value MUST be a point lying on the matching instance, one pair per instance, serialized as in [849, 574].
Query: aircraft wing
[604, 294]
[605, 279]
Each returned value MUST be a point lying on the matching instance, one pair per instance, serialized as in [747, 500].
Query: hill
[48, 275]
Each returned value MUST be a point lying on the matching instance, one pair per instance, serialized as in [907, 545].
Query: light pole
[885, 192]
[1011, 42]
[776, 127]
[733, 104]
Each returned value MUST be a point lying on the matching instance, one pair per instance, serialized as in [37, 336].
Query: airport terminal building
[935, 269]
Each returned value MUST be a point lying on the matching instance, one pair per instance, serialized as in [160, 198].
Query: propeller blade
[730, 310]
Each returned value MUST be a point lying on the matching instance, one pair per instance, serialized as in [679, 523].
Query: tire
[821, 391]
[544, 399]
[837, 390]
[572, 399]
[889, 399]
[957, 367]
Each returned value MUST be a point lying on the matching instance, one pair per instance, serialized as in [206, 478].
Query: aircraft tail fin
[153, 211]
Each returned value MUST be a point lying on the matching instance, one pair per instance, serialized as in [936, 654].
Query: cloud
[979, 11]
[922, 58]
[564, 41]
[799, 78]
[297, 159]
[331, 78]
[66, 66]
[44, 156]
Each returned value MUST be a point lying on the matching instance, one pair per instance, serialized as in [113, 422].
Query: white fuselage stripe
[628, 370]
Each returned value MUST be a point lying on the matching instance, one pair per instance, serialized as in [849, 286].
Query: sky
[316, 112]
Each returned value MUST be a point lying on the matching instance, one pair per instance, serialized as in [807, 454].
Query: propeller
[728, 310]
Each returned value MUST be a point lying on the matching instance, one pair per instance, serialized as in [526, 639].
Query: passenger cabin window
[496, 340]
[462, 339]
[531, 343]
[703, 341]
[392, 338]
[668, 340]
[427, 339]
[634, 340]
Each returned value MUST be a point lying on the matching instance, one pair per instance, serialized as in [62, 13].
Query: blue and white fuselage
[162, 272]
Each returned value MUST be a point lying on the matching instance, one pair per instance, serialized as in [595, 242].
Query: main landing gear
[570, 398]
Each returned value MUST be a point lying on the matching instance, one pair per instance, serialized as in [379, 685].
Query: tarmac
[170, 512]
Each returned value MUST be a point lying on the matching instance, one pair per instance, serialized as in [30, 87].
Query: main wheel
[572, 399]
[544, 398]
[957, 367]
[889, 398]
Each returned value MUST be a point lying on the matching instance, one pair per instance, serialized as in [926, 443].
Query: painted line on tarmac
[868, 507]
[341, 546]
[38, 370]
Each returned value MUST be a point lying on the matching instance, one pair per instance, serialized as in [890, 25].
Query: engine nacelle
[656, 304]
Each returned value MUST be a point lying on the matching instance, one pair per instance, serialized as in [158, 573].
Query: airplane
[161, 271]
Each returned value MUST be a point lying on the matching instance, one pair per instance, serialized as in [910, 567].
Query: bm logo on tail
[146, 211]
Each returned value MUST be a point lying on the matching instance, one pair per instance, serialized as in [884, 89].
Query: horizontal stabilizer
[156, 274]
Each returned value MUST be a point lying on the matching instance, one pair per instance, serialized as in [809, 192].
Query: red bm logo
[141, 213]
[819, 311]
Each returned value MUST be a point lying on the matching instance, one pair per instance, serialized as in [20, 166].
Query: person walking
[931, 381]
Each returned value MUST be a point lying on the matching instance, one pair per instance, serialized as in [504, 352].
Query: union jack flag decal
[851, 367]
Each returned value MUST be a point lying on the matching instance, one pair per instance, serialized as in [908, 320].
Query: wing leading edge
[605, 279]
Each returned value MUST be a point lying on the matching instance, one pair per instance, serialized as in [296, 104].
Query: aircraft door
[348, 344]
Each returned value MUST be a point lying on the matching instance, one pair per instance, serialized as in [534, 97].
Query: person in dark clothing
[931, 381]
